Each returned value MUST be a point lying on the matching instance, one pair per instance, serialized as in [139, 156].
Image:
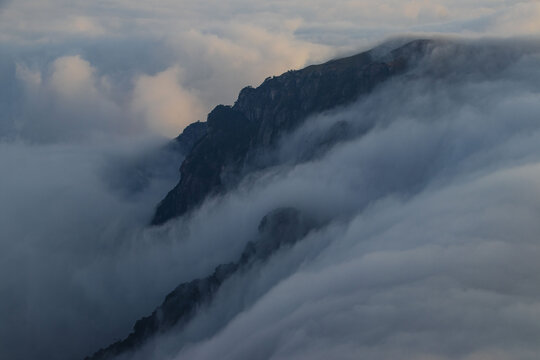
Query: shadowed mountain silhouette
[235, 135]
[280, 228]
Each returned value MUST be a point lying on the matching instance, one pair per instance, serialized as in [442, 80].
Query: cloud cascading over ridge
[431, 251]
[432, 243]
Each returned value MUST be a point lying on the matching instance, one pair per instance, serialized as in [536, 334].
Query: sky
[163, 64]
[434, 257]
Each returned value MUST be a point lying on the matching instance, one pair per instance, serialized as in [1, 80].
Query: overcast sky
[164, 64]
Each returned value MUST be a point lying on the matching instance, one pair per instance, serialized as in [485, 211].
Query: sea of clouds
[431, 248]
[432, 241]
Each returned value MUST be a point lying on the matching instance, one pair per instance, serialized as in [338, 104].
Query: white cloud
[165, 105]
[87, 26]
[73, 76]
[31, 78]
[239, 43]
[68, 100]
[435, 248]
[521, 19]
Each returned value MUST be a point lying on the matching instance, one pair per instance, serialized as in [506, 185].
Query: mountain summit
[226, 148]
[230, 144]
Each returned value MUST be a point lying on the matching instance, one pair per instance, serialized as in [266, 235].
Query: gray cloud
[127, 45]
[432, 249]
[239, 42]
[77, 263]
[342, 22]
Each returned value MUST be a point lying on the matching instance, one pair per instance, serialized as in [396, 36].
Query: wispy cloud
[433, 245]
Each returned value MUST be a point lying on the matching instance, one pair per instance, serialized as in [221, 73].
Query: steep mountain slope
[405, 184]
[226, 147]
[237, 134]
[278, 229]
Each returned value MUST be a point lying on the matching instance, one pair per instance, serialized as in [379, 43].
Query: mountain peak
[261, 115]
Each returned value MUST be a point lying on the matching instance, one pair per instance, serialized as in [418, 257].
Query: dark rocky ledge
[261, 115]
[279, 228]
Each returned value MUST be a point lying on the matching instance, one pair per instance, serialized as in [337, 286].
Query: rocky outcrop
[281, 103]
[237, 134]
[190, 136]
[222, 147]
[279, 228]
[222, 150]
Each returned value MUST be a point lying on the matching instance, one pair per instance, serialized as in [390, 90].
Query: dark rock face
[281, 227]
[190, 136]
[222, 150]
[237, 134]
[282, 103]
[222, 147]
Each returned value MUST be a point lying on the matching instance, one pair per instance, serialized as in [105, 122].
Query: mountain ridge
[219, 150]
[281, 227]
[237, 134]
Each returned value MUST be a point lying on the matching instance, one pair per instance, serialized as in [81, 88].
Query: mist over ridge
[414, 191]
[424, 189]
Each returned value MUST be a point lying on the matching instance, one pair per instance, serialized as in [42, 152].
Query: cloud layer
[432, 249]
[206, 52]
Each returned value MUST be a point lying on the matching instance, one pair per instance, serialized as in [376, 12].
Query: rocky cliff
[190, 136]
[223, 149]
[236, 134]
[280, 228]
